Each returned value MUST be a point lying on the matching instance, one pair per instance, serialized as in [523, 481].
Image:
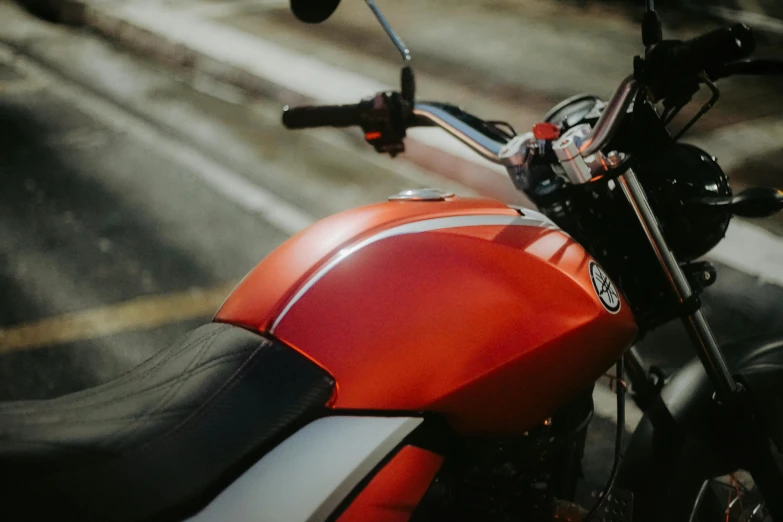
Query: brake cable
[618, 445]
[705, 108]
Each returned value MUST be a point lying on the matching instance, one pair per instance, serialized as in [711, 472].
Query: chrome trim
[567, 149]
[470, 136]
[695, 323]
[422, 194]
[565, 103]
[612, 116]
[536, 220]
[517, 152]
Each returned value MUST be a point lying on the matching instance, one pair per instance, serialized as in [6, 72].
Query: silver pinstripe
[530, 219]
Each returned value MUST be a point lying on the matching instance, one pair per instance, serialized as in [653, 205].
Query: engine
[531, 477]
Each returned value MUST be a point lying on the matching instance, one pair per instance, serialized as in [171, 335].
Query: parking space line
[141, 313]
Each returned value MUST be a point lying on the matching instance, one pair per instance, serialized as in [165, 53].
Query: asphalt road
[121, 179]
[90, 216]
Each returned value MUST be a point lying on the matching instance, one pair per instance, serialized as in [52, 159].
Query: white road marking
[605, 406]
[289, 69]
[320, 81]
[251, 197]
[736, 144]
[758, 254]
[407, 170]
[438, 139]
[751, 249]
[746, 247]
[751, 18]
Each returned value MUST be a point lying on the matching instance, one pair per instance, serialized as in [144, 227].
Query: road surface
[134, 195]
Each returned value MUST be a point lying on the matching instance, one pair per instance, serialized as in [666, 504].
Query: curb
[69, 12]
[482, 180]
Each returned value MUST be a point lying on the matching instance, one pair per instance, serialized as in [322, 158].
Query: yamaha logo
[604, 287]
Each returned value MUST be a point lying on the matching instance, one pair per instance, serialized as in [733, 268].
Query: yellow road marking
[20, 86]
[140, 313]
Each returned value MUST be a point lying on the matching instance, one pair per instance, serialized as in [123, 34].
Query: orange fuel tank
[489, 315]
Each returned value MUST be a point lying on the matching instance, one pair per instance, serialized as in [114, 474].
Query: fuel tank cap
[423, 194]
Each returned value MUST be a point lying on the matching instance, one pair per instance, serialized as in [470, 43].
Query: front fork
[735, 405]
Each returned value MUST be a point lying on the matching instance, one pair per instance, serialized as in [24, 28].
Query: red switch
[546, 131]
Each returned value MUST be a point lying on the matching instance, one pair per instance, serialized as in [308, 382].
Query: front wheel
[733, 498]
[676, 465]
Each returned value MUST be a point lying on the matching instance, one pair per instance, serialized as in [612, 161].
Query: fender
[677, 444]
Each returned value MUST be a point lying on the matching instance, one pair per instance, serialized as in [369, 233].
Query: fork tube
[696, 325]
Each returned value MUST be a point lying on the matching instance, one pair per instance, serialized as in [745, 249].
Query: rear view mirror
[313, 11]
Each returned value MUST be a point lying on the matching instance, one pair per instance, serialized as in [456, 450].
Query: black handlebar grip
[322, 116]
[722, 46]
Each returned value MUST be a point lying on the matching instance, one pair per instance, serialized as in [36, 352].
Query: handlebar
[462, 126]
[721, 46]
[709, 52]
[612, 117]
[322, 116]
[467, 128]
[672, 69]
[666, 66]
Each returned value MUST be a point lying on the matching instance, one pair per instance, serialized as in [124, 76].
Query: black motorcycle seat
[161, 440]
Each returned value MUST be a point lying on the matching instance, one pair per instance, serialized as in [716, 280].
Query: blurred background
[144, 169]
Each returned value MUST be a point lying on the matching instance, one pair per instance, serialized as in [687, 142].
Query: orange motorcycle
[434, 357]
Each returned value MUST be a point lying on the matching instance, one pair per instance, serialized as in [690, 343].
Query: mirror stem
[406, 54]
[652, 33]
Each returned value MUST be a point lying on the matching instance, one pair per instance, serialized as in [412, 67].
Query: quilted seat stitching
[207, 365]
[130, 431]
[131, 375]
[230, 383]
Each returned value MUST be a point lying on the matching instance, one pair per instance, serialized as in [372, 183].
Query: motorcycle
[433, 357]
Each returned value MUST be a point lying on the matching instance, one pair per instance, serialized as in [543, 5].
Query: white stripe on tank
[307, 476]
